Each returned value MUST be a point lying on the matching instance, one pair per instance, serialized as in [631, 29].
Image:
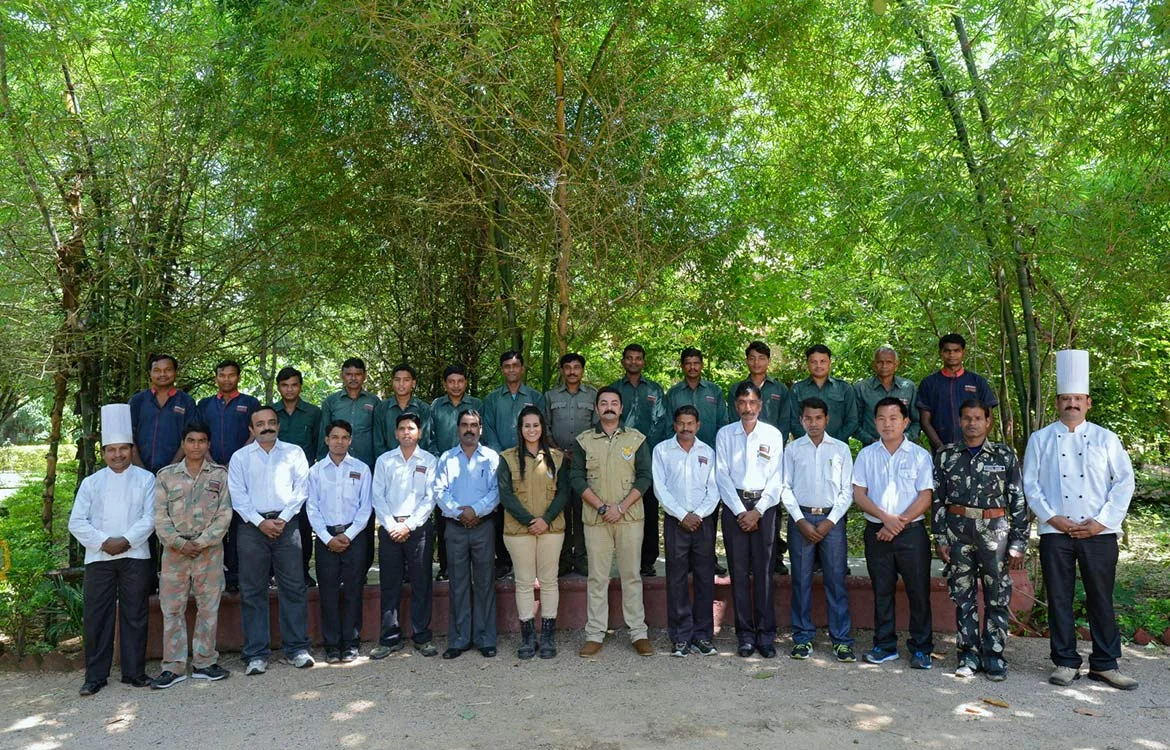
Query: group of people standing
[545, 485]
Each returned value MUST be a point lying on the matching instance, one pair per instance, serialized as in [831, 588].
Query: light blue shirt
[461, 481]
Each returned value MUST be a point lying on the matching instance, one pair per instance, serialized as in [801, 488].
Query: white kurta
[109, 505]
[1081, 474]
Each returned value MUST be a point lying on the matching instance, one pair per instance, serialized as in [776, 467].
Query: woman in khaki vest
[534, 487]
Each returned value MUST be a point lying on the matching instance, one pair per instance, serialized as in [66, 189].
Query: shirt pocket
[1097, 462]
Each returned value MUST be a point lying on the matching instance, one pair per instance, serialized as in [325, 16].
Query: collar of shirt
[957, 374]
[227, 397]
[170, 391]
[204, 468]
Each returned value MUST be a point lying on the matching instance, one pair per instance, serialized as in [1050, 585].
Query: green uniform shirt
[987, 478]
[302, 428]
[570, 414]
[842, 403]
[386, 424]
[776, 409]
[445, 421]
[707, 398]
[644, 409]
[359, 412]
[870, 391]
[501, 410]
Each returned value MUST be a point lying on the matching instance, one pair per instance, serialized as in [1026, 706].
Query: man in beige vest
[611, 481]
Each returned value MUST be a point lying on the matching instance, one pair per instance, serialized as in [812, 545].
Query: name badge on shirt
[213, 486]
[180, 410]
[702, 460]
[710, 399]
[368, 407]
[420, 470]
[775, 396]
[627, 453]
[970, 388]
[765, 452]
[995, 467]
[355, 475]
[651, 398]
[242, 408]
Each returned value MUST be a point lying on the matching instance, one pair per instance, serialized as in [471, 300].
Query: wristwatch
[602, 509]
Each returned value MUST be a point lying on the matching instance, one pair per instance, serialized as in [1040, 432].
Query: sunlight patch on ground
[1151, 744]
[352, 710]
[352, 740]
[123, 720]
[972, 710]
[307, 695]
[28, 722]
[1079, 695]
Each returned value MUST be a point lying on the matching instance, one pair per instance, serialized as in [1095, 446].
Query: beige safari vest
[609, 469]
[535, 491]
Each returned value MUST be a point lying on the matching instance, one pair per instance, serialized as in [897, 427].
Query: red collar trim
[228, 399]
[958, 374]
[170, 392]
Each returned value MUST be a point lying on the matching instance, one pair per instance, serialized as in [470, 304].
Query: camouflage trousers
[182, 577]
[979, 557]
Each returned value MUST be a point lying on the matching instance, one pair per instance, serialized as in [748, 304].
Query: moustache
[469, 433]
[609, 412]
[267, 432]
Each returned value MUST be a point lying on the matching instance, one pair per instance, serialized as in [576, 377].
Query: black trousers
[231, 554]
[749, 560]
[122, 587]
[650, 530]
[441, 540]
[306, 531]
[415, 555]
[573, 549]
[1060, 556]
[368, 549]
[689, 552]
[503, 557]
[908, 556]
[339, 591]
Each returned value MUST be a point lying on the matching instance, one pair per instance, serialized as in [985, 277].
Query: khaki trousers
[602, 542]
[535, 558]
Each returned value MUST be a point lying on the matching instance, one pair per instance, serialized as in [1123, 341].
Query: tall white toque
[1072, 372]
[116, 426]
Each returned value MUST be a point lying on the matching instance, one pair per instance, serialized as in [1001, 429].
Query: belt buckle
[816, 511]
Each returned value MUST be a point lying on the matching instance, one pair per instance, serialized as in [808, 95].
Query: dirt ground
[618, 700]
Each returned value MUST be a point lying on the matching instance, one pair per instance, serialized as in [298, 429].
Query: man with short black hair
[227, 413]
[694, 390]
[893, 482]
[339, 509]
[403, 380]
[403, 504]
[644, 410]
[268, 480]
[941, 393]
[192, 508]
[300, 424]
[748, 469]
[572, 410]
[445, 436]
[837, 394]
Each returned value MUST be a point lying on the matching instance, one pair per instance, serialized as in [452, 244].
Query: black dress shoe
[767, 651]
[488, 651]
[781, 568]
[720, 570]
[453, 653]
[745, 650]
[139, 681]
[92, 688]
[309, 581]
[648, 572]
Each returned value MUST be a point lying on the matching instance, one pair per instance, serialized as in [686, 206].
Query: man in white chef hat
[112, 517]
[1078, 480]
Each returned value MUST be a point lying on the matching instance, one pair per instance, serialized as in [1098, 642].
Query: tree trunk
[564, 239]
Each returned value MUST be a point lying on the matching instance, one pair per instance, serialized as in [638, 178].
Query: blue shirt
[229, 423]
[158, 430]
[942, 396]
[460, 481]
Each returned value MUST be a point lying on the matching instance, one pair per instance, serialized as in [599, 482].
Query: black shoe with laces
[212, 673]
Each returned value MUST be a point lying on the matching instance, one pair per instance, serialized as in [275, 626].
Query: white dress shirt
[339, 494]
[402, 488]
[749, 462]
[817, 476]
[263, 481]
[684, 481]
[110, 504]
[1081, 474]
[893, 481]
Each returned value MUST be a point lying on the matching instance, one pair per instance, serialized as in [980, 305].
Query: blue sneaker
[880, 656]
[921, 660]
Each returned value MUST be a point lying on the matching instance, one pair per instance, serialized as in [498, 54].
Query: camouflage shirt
[188, 508]
[987, 478]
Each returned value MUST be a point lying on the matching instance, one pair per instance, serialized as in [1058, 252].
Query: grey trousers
[471, 555]
[257, 554]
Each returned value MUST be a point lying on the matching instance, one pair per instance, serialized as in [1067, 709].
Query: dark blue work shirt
[943, 394]
[228, 422]
[158, 430]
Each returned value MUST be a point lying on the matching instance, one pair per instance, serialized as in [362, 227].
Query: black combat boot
[528, 633]
[548, 637]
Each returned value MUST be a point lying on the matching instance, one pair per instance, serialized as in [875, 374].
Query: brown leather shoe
[643, 647]
[591, 648]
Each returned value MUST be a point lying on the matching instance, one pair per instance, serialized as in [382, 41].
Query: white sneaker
[302, 660]
[256, 666]
[965, 671]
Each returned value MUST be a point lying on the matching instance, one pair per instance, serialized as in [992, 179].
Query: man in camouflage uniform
[979, 522]
[192, 510]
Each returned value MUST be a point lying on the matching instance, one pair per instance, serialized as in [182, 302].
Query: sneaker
[680, 649]
[212, 673]
[921, 660]
[302, 660]
[426, 649]
[1114, 679]
[382, 650]
[801, 651]
[880, 656]
[1064, 676]
[844, 653]
[349, 655]
[704, 648]
[256, 666]
[997, 675]
[966, 671]
[166, 679]
[332, 657]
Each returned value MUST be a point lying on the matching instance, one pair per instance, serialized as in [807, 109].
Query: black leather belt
[815, 511]
[750, 498]
[270, 515]
[338, 528]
